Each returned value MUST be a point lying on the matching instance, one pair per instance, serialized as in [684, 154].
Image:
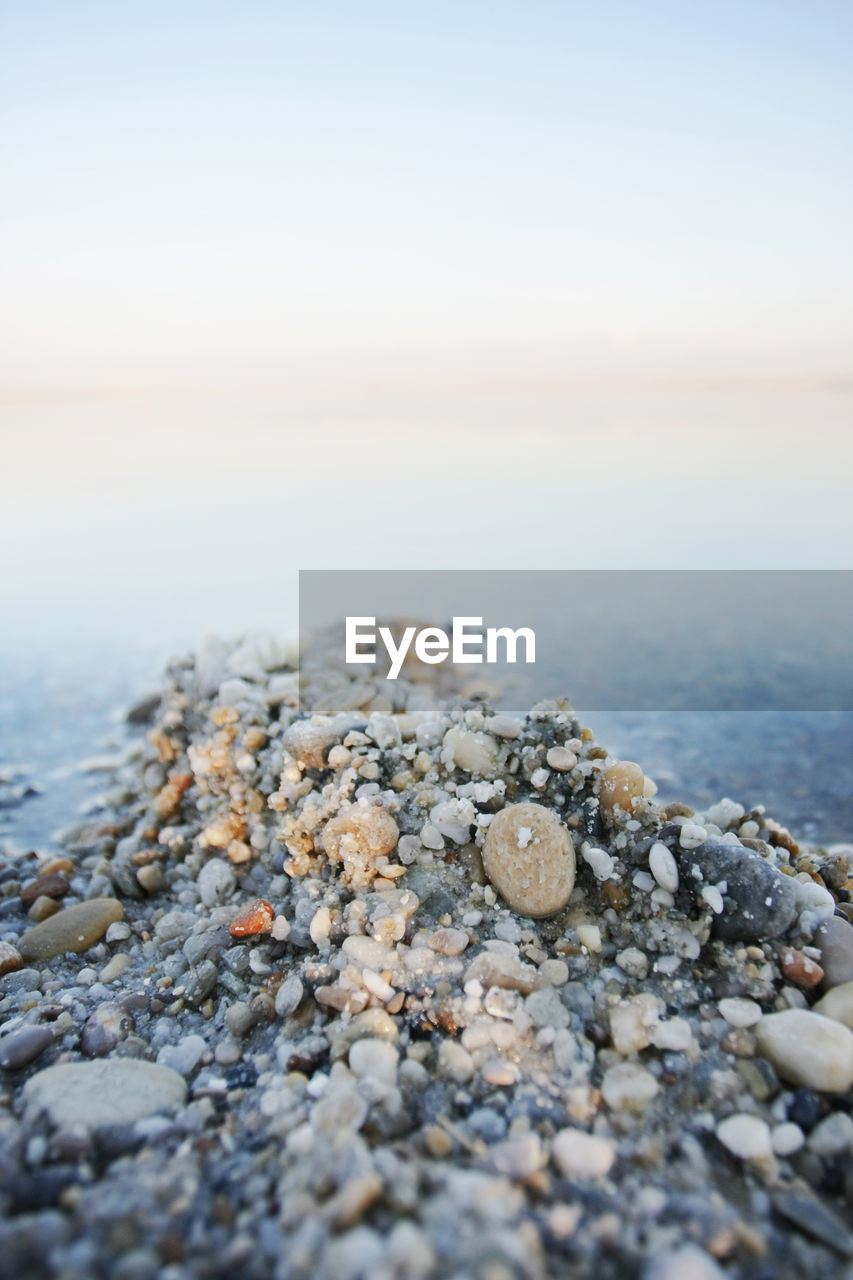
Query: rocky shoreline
[270, 1012]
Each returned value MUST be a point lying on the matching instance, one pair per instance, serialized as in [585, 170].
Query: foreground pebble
[76, 928]
[807, 1049]
[746, 1136]
[582, 1155]
[109, 1091]
[529, 857]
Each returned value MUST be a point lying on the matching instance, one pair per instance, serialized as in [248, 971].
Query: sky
[291, 285]
[198, 190]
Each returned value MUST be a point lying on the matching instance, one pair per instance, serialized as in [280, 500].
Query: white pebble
[561, 759]
[692, 835]
[740, 1013]
[374, 1059]
[589, 936]
[599, 862]
[787, 1138]
[320, 926]
[280, 930]
[582, 1155]
[663, 866]
[377, 985]
[745, 1136]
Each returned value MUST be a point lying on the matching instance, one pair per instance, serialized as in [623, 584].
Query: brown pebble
[10, 959]
[800, 968]
[151, 878]
[76, 928]
[42, 909]
[621, 784]
[53, 885]
[255, 917]
[529, 857]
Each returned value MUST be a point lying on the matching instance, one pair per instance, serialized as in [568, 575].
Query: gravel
[294, 1018]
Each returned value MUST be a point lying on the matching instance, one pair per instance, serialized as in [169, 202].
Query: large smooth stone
[529, 857]
[759, 901]
[77, 928]
[807, 1049]
[107, 1091]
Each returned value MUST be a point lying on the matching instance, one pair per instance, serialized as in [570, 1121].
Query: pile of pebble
[338, 981]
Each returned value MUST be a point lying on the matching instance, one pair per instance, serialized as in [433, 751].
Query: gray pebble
[201, 982]
[20, 1047]
[109, 1024]
[759, 901]
[835, 939]
[289, 996]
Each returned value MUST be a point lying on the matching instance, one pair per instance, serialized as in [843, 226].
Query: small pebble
[374, 1060]
[786, 1138]
[255, 917]
[739, 1012]
[745, 1136]
[837, 1004]
[581, 1156]
[19, 1048]
[663, 867]
[10, 958]
[628, 1087]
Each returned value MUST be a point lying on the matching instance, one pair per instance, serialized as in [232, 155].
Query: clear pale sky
[472, 283]
[202, 189]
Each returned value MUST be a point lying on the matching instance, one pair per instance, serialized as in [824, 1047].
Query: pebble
[184, 1056]
[10, 958]
[600, 863]
[745, 1136]
[759, 902]
[216, 881]
[241, 1017]
[561, 759]
[621, 784]
[582, 1155]
[374, 1059]
[833, 1136]
[470, 751]
[104, 1029]
[51, 885]
[448, 942]
[529, 857]
[287, 998]
[633, 962]
[663, 867]
[835, 939]
[689, 1262]
[837, 1004]
[76, 928]
[589, 936]
[739, 1012]
[632, 1022]
[119, 931]
[808, 1049]
[628, 1087]
[104, 1092]
[19, 1048]
[114, 968]
[455, 1062]
[786, 1138]
[493, 969]
[518, 1157]
[800, 968]
[256, 917]
[42, 909]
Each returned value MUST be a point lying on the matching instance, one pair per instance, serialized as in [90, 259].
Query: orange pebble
[256, 917]
[800, 968]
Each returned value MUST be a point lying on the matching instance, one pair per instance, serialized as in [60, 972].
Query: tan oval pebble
[75, 929]
[621, 784]
[837, 1004]
[529, 857]
[808, 1049]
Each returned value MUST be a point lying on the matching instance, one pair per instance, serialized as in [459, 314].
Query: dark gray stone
[759, 901]
[20, 1047]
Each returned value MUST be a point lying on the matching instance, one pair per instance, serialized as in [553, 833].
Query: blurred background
[332, 285]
